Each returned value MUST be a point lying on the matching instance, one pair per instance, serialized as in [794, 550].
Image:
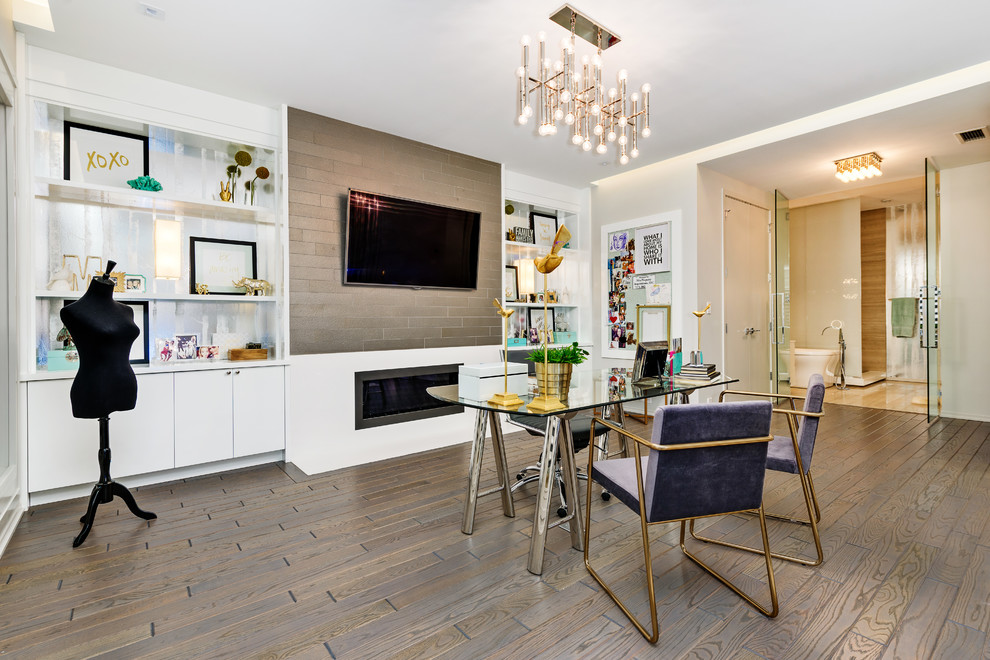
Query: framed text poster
[637, 271]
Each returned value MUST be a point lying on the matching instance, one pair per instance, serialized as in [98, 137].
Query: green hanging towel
[903, 316]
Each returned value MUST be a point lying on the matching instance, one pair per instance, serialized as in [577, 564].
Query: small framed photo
[103, 156]
[219, 264]
[551, 297]
[185, 347]
[535, 318]
[165, 349]
[208, 352]
[544, 227]
[523, 234]
[134, 283]
[511, 283]
[140, 353]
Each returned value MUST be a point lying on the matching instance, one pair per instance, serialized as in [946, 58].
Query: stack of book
[698, 372]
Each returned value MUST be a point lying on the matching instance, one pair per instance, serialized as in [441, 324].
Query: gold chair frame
[807, 484]
[644, 527]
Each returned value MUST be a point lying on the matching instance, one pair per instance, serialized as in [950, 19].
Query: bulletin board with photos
[638, 271]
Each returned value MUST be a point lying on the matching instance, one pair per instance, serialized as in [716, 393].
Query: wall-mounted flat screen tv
[400, 242]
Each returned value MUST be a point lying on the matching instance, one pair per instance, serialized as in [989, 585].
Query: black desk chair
[581, 433]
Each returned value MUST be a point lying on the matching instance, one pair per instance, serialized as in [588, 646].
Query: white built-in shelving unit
[570, 312]
[192, 416]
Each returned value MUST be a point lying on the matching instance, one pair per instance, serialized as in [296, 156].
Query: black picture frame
[541, 223]
[141, 348]
[534, 318]
[650, 362]
[511, 283]
[218, 284]
[80, 129]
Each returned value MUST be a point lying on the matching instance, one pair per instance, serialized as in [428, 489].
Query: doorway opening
[859, 260]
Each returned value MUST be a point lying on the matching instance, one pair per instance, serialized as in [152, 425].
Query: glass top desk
[605, 388]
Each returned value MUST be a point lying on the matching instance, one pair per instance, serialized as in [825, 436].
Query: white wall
[649, 191]
[965, 313]
[320, 432]
[825, 278]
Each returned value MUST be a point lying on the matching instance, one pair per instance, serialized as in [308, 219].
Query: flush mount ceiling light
[562, 92]
[865, 166]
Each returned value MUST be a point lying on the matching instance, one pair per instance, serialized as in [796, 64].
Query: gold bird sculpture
[549, 262]
[502, 311]
[703, 312]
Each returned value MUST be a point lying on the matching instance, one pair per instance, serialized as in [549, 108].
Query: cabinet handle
[238, 371]
[228, 373]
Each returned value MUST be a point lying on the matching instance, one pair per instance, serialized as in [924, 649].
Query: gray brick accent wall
[326, 158]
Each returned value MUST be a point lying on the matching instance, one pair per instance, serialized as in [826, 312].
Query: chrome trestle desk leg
[556, 439]
[541, 518]
[501, 466]
[569, 465]
[474, 473]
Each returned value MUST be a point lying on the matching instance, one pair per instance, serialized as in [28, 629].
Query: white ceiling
[442, 71]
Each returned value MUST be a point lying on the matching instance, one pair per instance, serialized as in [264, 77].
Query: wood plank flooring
[369, 562]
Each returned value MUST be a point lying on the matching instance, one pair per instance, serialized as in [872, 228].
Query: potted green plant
[554, 367]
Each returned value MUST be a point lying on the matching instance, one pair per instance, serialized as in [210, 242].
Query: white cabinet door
[62, 450]
[203, 422]
[259, 410]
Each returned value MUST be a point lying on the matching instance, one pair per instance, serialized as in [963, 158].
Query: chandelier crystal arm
[576, 95]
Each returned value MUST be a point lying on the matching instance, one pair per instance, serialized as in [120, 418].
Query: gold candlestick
[505, 399]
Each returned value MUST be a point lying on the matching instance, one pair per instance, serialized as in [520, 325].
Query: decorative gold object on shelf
[241, 159]
[505, 399]
[254, 287]
[202, 289]
[97, 271]
[260, 173]
[700, 314]
[225, 193]
[546, 402]
[121, 281]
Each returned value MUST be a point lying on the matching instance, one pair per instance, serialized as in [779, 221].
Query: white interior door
[746, 259]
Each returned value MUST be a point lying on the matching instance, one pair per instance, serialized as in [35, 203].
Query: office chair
[786, 453]
[704, 460]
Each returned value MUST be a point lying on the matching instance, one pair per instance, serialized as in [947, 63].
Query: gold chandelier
[857, 168]
[577, 97]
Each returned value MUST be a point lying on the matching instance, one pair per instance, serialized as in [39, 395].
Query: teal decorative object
[145, 183]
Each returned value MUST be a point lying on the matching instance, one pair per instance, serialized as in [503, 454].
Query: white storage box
[480, 381]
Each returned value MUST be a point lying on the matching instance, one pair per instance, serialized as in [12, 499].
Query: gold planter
[554, 378]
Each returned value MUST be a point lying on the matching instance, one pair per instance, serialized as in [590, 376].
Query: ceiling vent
[972, 134]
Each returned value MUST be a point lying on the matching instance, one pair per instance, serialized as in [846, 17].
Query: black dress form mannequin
[103, 331]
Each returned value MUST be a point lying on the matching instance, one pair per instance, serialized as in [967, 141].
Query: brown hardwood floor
[369, 562]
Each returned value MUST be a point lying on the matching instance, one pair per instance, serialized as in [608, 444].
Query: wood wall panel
[873, 255]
